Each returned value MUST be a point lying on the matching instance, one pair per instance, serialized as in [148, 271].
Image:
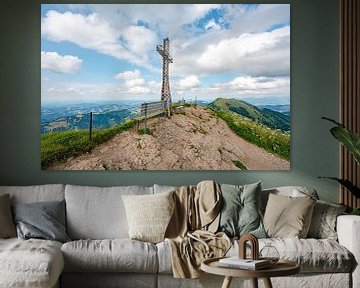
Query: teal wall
[314, 93]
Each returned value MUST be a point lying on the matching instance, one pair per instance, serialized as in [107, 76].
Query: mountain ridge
[267, 117]
[195, 139]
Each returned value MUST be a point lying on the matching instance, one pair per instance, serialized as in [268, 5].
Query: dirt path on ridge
[197, 140]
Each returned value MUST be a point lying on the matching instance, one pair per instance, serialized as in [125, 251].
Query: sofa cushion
[291, 191]
[287, 216]
[43, 220]
[98, 213]
[313, 255]
[30, 263]
[36, 193]
[240, 210]
[117, 255]
[323, 222]
[7, 226]
[149, 215]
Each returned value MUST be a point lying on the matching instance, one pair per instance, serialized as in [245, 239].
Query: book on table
[236, 262]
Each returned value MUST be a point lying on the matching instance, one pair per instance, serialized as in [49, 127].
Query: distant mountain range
[268, 117]
[77, 116]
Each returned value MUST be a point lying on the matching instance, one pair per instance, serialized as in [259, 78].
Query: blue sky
[107, 52]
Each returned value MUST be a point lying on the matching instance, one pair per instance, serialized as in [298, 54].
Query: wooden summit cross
[164, 51]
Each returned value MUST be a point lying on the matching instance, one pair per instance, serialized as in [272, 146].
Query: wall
[314, 93]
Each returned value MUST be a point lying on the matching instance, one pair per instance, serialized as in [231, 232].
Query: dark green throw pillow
[240, 213]
[43, 220]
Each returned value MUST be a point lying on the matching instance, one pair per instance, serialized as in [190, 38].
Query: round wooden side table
[281, 268]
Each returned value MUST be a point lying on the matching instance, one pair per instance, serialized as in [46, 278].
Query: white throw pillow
[149, 215]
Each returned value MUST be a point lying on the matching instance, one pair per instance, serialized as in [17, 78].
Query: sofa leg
[267, 282]
[227, 282]
[254, 282]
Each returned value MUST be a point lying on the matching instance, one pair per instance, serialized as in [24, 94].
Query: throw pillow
[149, 215]
[43, 220]
[7, 227]
[323, 222]
[288, 217]
[240, 213]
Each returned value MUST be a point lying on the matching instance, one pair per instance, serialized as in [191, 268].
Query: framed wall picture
[165, 87]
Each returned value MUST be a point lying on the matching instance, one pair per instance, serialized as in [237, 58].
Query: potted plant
[351, 141]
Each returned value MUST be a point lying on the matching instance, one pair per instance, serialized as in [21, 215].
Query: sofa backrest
[98, 212]
[35, 193]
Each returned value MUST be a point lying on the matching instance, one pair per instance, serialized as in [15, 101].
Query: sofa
[100, 253]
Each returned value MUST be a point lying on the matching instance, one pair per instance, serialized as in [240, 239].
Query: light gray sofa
[101, 255]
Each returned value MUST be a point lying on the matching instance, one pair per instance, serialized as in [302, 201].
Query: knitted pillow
[149, 215]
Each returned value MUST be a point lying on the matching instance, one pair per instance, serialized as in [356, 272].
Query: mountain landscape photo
[125, 87]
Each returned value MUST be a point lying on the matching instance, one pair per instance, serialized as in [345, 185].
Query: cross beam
[164, 51]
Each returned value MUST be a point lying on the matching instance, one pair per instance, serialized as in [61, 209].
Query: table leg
[227, 282]
[267, 283]
[254, 282]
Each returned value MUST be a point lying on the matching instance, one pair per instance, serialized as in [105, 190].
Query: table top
[281, 268]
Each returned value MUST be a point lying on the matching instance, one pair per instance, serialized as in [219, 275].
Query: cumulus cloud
[265, 53]
[62, 64]
[131, 78]
[242, 41]
[139, 39]
[211, 24]
[52, 92]
[247, 85]
[93, 32]
[128, 75]
[189, 82]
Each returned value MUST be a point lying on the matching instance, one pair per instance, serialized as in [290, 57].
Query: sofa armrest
[348, 230]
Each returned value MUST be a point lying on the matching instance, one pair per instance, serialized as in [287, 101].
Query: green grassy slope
[273, 141]
[267, 117]
[59, 146]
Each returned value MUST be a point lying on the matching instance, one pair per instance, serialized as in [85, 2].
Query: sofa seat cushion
[30, 263]
[313, 255]
[115, 255]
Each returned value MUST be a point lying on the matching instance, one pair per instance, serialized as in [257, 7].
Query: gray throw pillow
[7, 227]
[240, 213]
[44, 220]
[323, 222]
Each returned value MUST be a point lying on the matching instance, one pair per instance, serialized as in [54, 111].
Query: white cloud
[241, 42]
[52, 92]
[189, 82]
[58, 63]
[131, 78]
[211, 24]
[128, 75]
[93, 32]
[139, 39]
[247, 85]
[264, 53]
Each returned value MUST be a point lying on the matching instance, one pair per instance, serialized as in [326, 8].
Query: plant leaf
[348, 185]
[349, 139]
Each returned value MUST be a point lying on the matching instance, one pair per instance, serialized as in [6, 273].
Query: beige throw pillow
[7, 226]
[148, 215]
[288, 217]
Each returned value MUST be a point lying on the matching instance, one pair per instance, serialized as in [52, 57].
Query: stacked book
[248, 264]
